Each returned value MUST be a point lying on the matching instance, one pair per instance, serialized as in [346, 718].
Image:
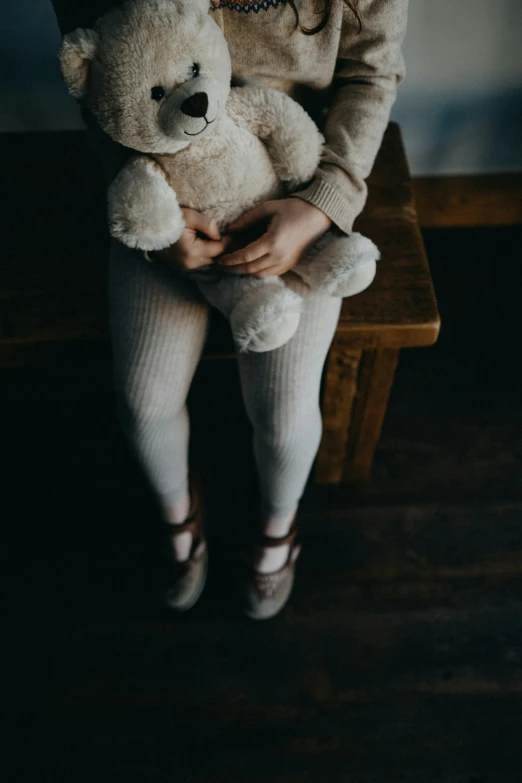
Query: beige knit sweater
[346, 79]
[351, 77]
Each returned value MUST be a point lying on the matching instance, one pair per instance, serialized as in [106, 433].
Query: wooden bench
[53, 275]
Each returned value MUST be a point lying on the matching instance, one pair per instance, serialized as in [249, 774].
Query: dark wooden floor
[399, 657]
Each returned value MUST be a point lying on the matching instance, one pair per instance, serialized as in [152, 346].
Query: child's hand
[292, 225]
[200, 242]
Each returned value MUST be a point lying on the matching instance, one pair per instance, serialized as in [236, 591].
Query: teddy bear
[156, 76]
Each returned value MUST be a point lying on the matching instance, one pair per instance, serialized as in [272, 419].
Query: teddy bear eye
[157, 93]
[195, 70]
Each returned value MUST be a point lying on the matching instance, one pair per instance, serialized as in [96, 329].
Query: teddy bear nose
[196, 105]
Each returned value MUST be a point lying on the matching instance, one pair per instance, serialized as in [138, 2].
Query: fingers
[252, 268]
[248, 254]
[198, 221]
[264, 210]
[195, 253]
[211, 249]
[191, 254]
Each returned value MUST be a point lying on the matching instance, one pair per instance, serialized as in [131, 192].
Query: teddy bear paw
[353, 281]
[275, 335]
[340, 266]
[143, 209]
[260, 323]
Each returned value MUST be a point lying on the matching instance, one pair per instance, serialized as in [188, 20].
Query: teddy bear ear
[76, 52]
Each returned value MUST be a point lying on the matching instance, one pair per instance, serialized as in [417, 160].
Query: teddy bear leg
[263, 314]
[339, 265]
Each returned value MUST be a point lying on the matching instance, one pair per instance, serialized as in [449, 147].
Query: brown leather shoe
[264, 595]
[186, 580]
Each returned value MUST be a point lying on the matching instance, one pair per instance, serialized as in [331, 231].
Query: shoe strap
[190, 525]
[193, 522]
[260, 578]
[270, 542]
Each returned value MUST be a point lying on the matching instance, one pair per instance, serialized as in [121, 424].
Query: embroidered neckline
[246, 5]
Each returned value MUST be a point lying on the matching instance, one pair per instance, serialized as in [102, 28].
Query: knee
[142, 400]
[287, 426]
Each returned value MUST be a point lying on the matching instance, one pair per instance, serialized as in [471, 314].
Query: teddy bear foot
[353, 281]
[277, 334]
[263, 323]
[340, 266]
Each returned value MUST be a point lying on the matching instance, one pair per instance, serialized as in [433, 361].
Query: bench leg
[339, 392]
[376, 376]
[356, 392]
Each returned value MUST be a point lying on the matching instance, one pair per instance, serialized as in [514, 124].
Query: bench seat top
[399, 309]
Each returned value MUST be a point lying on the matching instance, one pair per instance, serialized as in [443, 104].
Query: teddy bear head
[154, 73]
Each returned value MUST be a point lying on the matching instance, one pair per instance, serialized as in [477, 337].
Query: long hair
[325, 12]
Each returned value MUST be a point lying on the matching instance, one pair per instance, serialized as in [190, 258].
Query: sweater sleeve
[369, 68]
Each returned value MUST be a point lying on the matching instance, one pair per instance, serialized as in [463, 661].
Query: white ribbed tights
[158, 326]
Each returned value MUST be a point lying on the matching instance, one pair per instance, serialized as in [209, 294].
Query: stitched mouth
[208, 122]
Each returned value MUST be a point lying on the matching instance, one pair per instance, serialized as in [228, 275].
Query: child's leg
[281, 391]
[158, 327]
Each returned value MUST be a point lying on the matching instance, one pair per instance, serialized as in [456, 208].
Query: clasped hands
[283, 229]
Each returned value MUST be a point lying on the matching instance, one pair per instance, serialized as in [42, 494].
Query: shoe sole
[197, 595]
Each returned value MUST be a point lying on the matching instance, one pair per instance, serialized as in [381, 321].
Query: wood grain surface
[469, 201]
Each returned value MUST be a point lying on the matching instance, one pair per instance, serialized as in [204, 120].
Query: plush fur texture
[139, 45]
[340, 265]
[264, 314]
[156, 75]
[266, 319]
[144, 212]
[77, 51]
[293, 141]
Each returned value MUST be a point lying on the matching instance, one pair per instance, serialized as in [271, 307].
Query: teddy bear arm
[293, 139]
[144, 212]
